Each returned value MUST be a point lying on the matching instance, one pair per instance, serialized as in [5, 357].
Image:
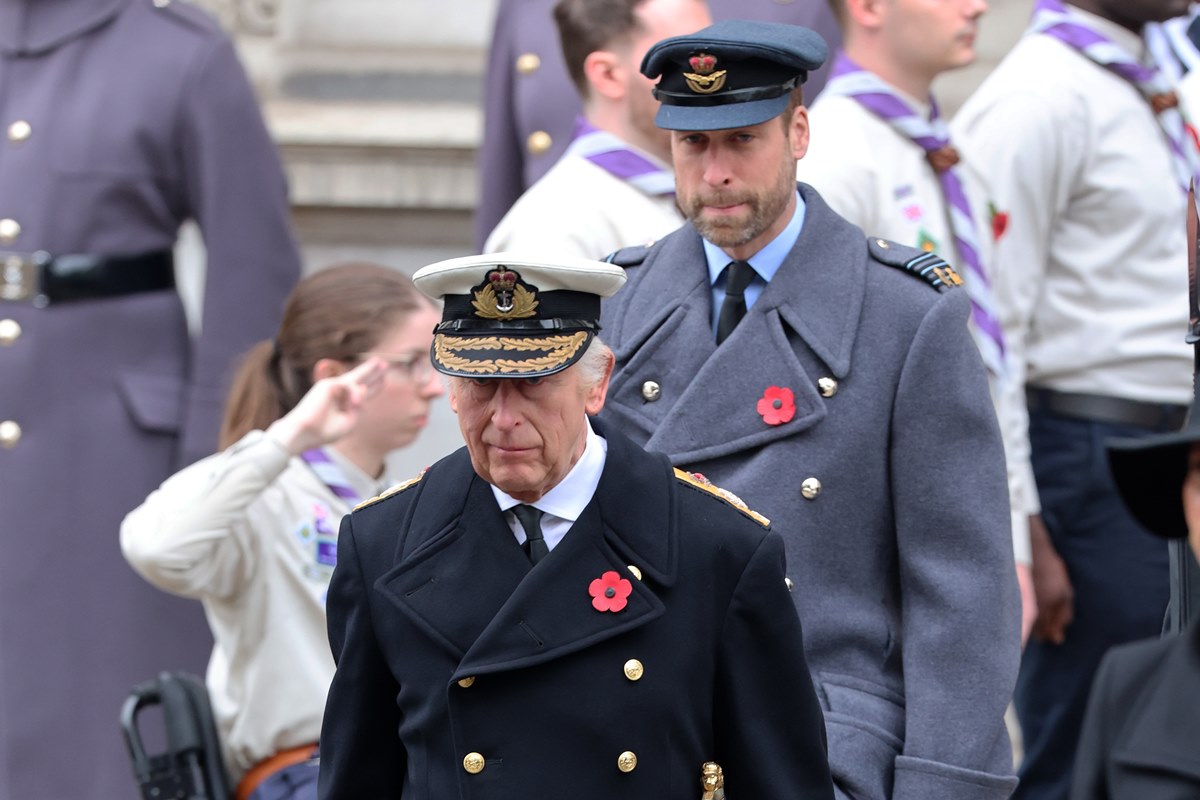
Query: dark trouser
[297, 782]
[1120, 576]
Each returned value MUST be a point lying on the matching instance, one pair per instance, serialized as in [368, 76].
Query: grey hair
[594, 362]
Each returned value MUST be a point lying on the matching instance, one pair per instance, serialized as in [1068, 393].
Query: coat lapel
[1163, 732]
[550, 613]
[452, 580]
[462, 578]
[709, 405]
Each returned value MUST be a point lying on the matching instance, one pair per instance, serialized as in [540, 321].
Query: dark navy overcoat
[465, 673]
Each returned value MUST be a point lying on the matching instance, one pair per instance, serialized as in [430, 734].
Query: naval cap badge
[704, 79]
[503, 295]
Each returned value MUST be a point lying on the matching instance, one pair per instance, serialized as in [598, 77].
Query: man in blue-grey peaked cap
[829, 379]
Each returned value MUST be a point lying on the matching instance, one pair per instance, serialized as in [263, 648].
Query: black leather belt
[41, 279]
[1158, 416]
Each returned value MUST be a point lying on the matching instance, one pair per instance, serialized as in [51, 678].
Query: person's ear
[596, 395]
[327, 368]
[798, 132]
[867, 14]
[605, 74]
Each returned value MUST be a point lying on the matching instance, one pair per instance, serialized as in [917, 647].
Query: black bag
[191, 767]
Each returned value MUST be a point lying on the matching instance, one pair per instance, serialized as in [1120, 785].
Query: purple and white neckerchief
[331, 475]
[931, 135]
[620, 160]
[1050, 17]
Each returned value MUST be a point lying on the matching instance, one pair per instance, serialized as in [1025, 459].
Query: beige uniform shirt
[1091, 281]
[248, 532]
[578, 209]
[880, 180]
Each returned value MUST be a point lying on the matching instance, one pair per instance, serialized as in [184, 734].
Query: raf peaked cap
[508, 316]
[733, 74]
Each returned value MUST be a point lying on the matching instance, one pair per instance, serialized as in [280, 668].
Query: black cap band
[727, 98]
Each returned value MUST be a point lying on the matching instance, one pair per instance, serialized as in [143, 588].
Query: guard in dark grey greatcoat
[553, 612]
[530, 105]
[1140, 733]
[119, 119]
[846, 403]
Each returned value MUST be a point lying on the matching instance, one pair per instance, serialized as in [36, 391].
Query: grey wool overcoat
[119, 119]
[902, 561]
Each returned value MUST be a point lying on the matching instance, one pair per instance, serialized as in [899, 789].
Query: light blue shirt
[766, 262]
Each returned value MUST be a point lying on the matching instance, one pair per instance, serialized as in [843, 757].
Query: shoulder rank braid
[629, 256]
[698, 481]
[397, 489]
[929, 267]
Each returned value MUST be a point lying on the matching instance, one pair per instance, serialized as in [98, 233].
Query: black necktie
[738, 275]
[531, 520]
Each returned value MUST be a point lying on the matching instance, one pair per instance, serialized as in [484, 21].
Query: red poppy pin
[999, 221]
[610, 592]
[777, 405]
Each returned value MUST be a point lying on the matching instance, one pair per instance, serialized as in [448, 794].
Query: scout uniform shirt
[580, 209]
[252, 533]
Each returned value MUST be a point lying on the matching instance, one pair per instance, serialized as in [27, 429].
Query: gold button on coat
[9, 230]
[528, 63]
[827, 386]
[19, 131]
[635, 572]
[651, 391]
[539, 142]
[627, 761]
[10, 434]
[473, 763]
[466, 682]
[634, 669]
[810, 488]
[10, 331]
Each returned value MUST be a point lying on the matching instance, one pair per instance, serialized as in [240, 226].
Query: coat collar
[461, 577]
[817, 295]
[33, 27]
[1164, 730]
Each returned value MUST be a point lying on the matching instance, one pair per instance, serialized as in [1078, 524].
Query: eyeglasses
[416, 367]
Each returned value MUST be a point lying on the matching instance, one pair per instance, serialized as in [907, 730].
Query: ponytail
[256, 397]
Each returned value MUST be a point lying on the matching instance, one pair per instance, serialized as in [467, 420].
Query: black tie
[531, 520]
[738, 275]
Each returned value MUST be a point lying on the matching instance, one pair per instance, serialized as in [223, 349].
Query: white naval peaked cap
[507, 315]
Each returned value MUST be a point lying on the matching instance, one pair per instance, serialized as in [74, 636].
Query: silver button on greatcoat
[810, 488]
[10, 229]
[19, 131]
[651, 391]
[10, 331]
[10, 434]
